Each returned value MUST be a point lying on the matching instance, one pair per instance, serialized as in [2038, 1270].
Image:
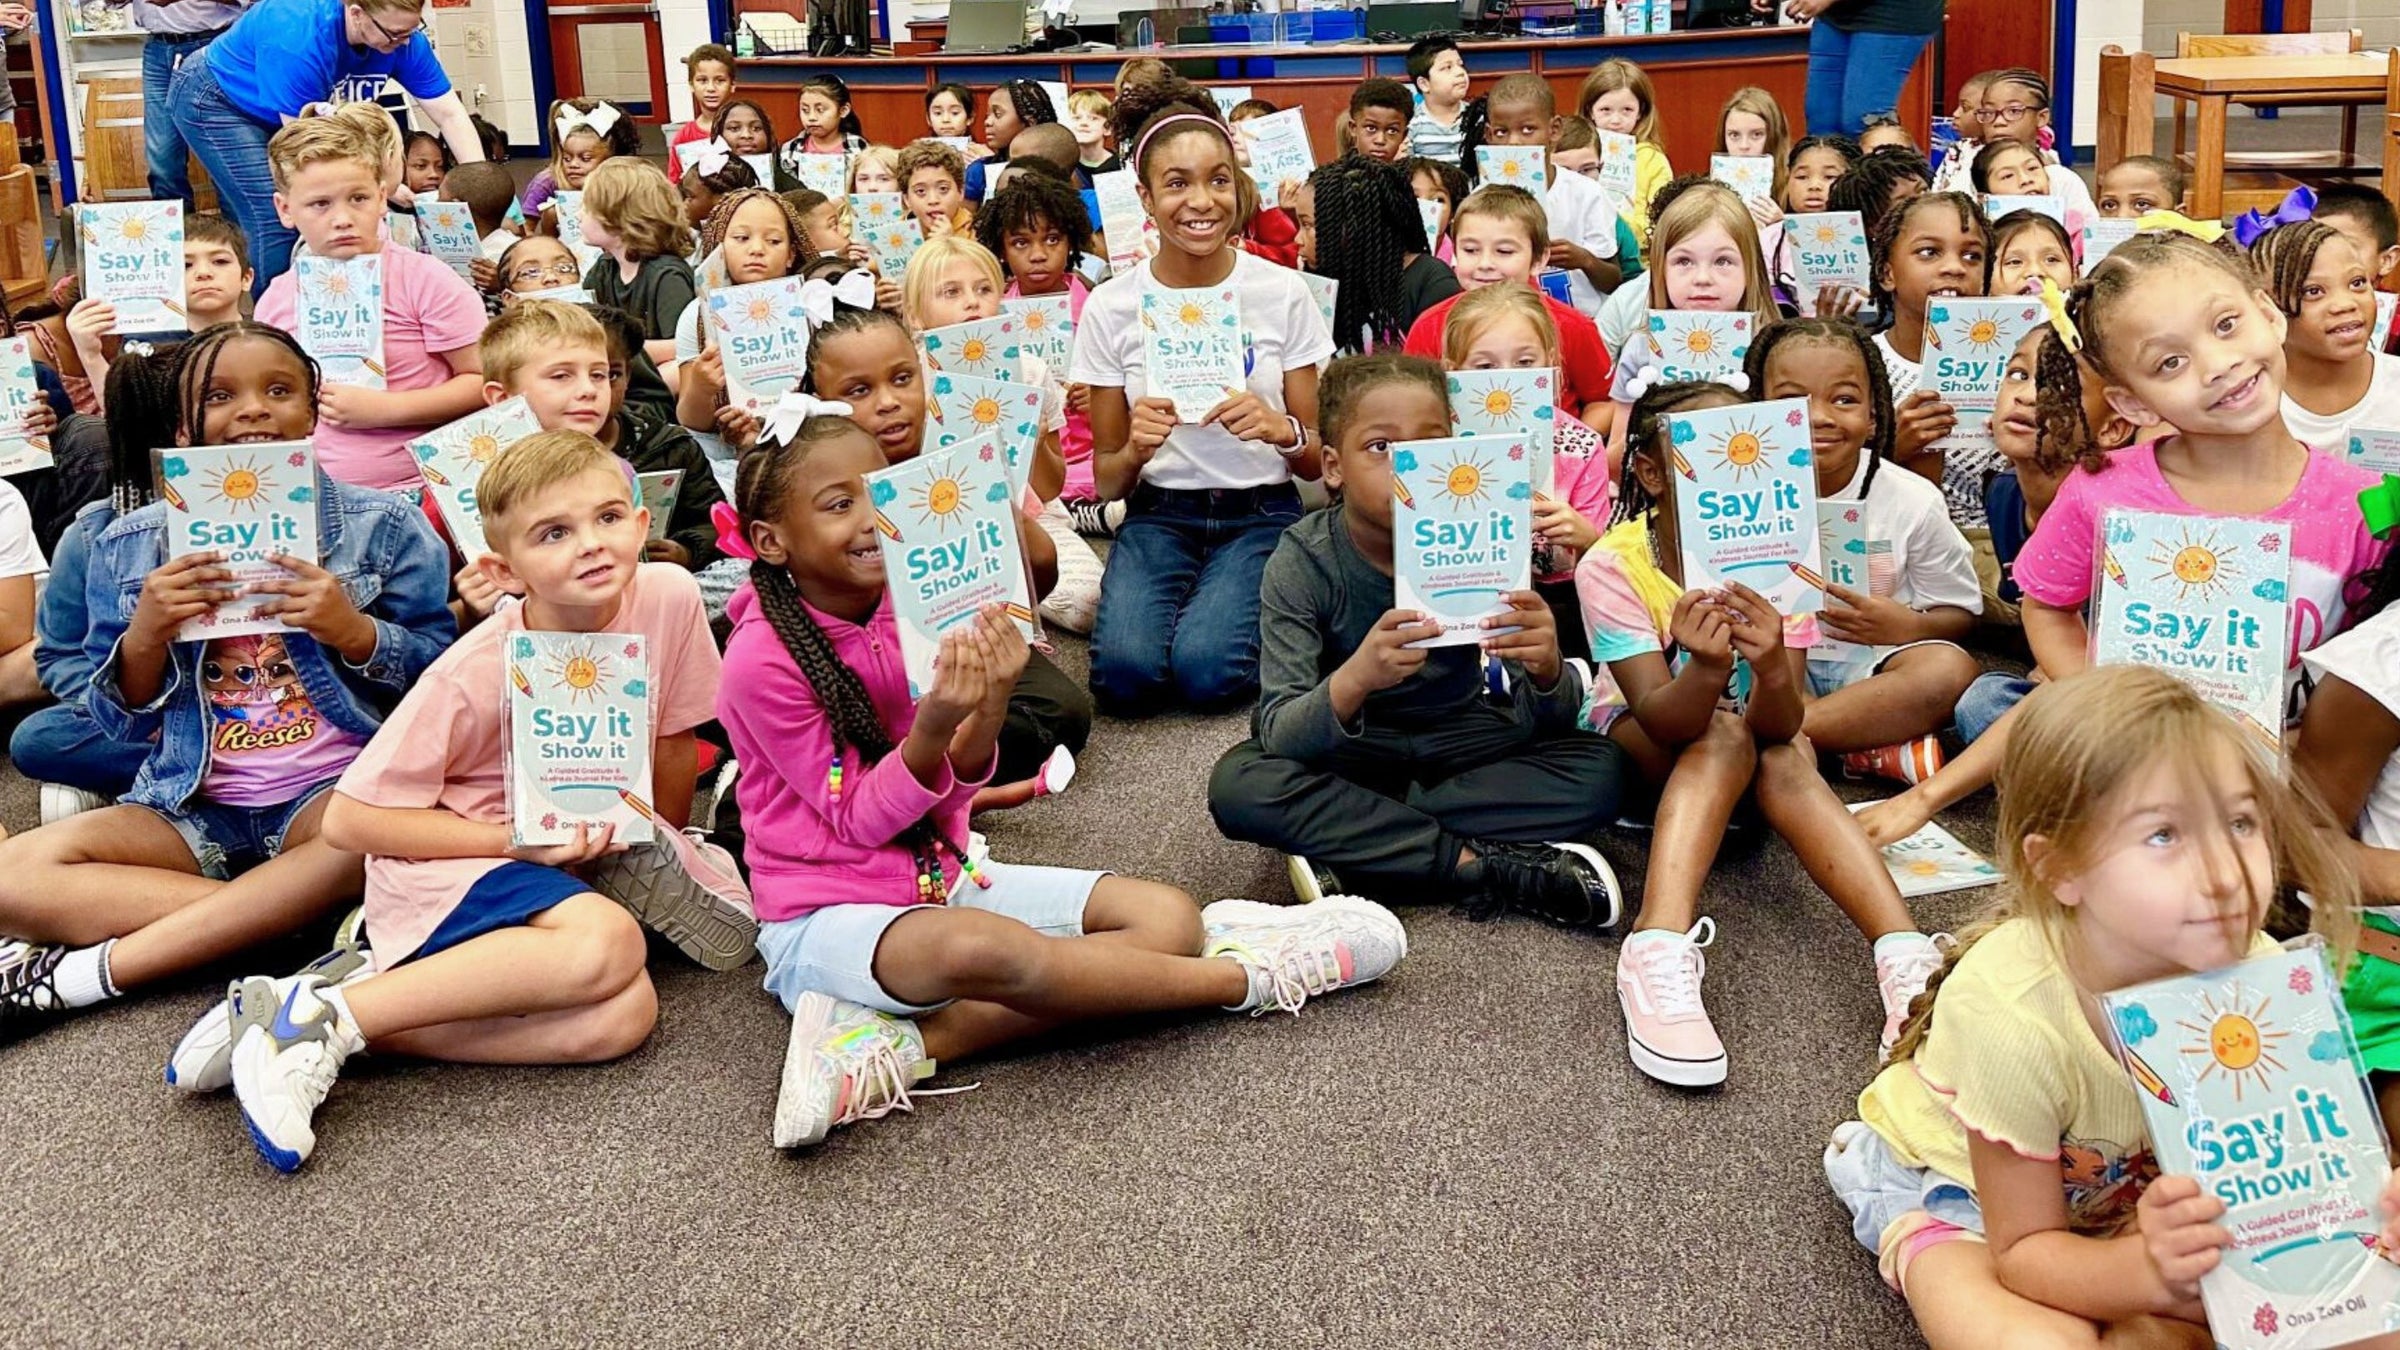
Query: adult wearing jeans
[1859, 54]
[280, 57]
[176, 29]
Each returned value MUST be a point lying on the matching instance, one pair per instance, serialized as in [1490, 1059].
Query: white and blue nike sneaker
[284, 1065]
[203, 1060]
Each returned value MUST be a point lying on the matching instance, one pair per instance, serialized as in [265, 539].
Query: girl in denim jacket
[215, 848]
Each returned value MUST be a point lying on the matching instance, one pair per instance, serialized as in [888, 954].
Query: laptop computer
[985, 26]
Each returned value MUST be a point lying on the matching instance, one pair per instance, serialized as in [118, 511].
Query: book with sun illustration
[763, 331]
[2203, 598]
[578, 736]
[1854, 561]
[2251, 1082]
[1749, 176]
[340, 318]
[1279, 149]
[401, 231]
[1700, 344]
[1967, 344]
[961, 406]
[1996, 205]
[452, 459]
[1617, 167]
[985, 347]
[1932, 861]
[888, 231]
[1517, 166]
[1462, 531]
[1512, 403]
[1126, 227]
[824, 173]
[249, 503]
[1829, 248]
[947, 523]
[1045, 328]
[1746, 501]
[133, 259]
[449, 233]
[1192, 347]
[570, 227]
[20, 450]
[659, 493]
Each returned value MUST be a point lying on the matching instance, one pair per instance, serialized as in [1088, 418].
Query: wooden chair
[24, 271]
[116, 166]
[2295, 163]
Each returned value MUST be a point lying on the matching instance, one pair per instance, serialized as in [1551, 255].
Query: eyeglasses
[388, 35]
[2008, 114]
[564, 272]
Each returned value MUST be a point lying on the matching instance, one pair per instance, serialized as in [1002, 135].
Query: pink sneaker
[1900, 977]
[1667, 1031]
[688, 891]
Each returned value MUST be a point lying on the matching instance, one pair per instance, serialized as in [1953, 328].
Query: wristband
[1299, 438]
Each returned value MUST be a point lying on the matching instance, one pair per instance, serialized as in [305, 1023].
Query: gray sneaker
[688, 891]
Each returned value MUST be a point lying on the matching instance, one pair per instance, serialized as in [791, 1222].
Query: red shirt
[1583, 362]
[1274, 236]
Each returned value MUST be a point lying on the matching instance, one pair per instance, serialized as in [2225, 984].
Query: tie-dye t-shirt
[267, 743]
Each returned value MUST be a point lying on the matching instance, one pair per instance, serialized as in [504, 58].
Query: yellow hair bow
[2055, 301]
[2206, 231]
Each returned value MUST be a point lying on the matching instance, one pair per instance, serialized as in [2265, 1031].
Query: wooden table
[2212, 84]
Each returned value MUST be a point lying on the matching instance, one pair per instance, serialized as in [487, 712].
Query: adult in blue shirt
[276, 60]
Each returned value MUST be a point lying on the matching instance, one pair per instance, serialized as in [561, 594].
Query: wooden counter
[1694, 73]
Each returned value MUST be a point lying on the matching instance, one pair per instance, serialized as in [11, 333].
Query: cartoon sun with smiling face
[1499, 403]
[759, 310]
[975, 351]
[1464, 482]
[337, 285]
[583, 670]
[985, 412]
[1983, 334]
[940, 500]
[1826, 234]
[243, 485]
[2198, 561]
[483, 448]
[1037, 321]
[2237, 1040]
[1744, 451]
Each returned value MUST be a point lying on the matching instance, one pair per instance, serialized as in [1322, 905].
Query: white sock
[1893, 944]
[344, 1025]
[82, 976]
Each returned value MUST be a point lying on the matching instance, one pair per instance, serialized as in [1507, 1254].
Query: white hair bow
[599, 120]
[793, 409]
[817, 297]
[713, 157]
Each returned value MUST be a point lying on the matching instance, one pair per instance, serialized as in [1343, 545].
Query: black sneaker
[28, 987]
[1567, 884]
[1096, 519]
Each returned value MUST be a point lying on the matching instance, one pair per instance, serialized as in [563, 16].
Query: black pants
[1045, 711]
[1388, 811]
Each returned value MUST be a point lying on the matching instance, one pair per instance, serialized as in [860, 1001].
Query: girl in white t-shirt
[2334, 380]
[1207, 496]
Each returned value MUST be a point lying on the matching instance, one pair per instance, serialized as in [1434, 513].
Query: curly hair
[2064, 437]
[1029, 201]
[1886, 237]
[1365, 206]
[633, 198]
[1835, 333]
[929, 155]
[712, 234]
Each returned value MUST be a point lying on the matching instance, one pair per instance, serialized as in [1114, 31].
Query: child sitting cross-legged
[1385, 768]
[891, 948]
[217, 846]
[487, 951]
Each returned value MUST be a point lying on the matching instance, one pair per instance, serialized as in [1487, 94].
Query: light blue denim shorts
[1896, 1211]
[832, 950]
[1828, 676]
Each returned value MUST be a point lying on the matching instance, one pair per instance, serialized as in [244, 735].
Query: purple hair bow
[2298, 205]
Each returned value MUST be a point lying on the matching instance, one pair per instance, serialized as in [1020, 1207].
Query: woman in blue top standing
[276, 60]
[1859, 54]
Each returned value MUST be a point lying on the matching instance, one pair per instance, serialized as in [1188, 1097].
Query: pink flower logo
[550, 821]
[2302, 981]
[1793, 418]
[299, 459]
[632, 649]
[2270, 543]
[1516, 452]
[2265, 1320]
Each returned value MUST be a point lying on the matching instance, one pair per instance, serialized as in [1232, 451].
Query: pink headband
[1142, 145]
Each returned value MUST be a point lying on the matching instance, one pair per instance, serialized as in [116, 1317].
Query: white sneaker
[60, 801]
[1667, 1030]
[1295, 952]
[203, 1060]
[845, 1063]
[1900, 977]
[284, 1066]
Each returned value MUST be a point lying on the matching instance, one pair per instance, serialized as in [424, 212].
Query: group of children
[261, 785]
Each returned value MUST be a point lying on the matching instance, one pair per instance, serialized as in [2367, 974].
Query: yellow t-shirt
[1650, 173]
[2011, 1057]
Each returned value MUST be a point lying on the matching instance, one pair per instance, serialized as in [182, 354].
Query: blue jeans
[1853, 74]
[1179, 601]
[1987, 701]
[162, 142]
[62, 744]
[233, 148]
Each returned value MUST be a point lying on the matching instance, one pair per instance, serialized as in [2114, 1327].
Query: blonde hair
[1696, 208]
[1090, 101]
[926, 265]
[882, 155]
[1478, 310]
[1618, 73]
[1762, 105]
[1502, 202]
[2077, 745]
[527, 329]
[638, 205]
[311, 141]
[375, 126]
[522, 470]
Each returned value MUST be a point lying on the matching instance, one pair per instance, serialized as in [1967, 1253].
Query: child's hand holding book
[1534, 642]
[1384, 659]
[175, 593]
[1704, 630]
[2182, 1240]
[315, 603]
[591, 843]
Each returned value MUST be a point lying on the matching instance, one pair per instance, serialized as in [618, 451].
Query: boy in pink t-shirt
[484, 951]
[329, 186]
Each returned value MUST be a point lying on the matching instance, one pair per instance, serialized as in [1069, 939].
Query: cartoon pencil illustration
[884, 523]
[516, 676]
[1801, 571]
[1933, 337]
[1400, 490]
[433, 475]
[2109, 563]
[2148, 1078]
[174, 498]
[1019, 613]
[1682, 466]
[372, 366]
[640, 807]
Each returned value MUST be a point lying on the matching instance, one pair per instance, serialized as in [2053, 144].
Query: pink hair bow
[732, 540]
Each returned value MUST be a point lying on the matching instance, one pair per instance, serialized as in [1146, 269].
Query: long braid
[1366, 209]
[1837, 333]
[140, 419]
[1472, 121]
[2065, 440]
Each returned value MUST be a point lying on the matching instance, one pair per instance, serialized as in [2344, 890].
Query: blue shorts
[1896, 1211]
[229, 840]
[832, 950]
[505, 897]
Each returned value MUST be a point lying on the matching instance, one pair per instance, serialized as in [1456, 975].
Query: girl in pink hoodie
[893, 947]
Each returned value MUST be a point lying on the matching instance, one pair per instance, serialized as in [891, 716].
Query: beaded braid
[759, 490]
[1836, 333]
[1644, 437]
[1366, 208]
[197, 365]
[2065, 438]
[1887, 237]
[712, 232]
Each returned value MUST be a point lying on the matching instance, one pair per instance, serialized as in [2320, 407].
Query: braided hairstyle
[712, 234]
[141, 417]
[1028, 201]
[1868, 187]
[760, 491]
[2283, 257]
[1886, 236]
[1835, 333]
[1474, 119]
[2064, 437]
[2093, 303]
[1032, 103]
[845, 321]
[1351, 378]
[1367, 207]
[1646, 434]
[196, 365]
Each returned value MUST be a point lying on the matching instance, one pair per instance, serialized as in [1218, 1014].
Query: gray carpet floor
[1459, 1155]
